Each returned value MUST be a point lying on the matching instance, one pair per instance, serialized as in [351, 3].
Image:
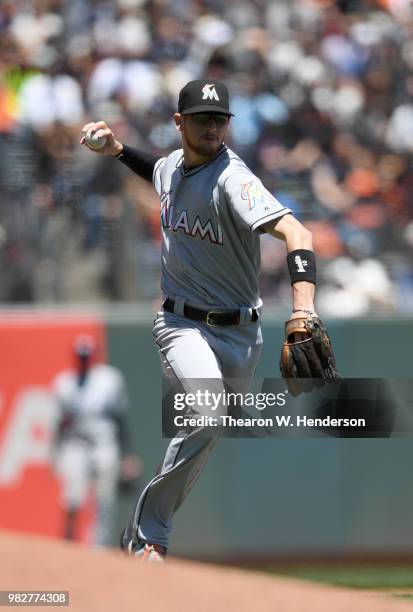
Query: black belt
[210, 317]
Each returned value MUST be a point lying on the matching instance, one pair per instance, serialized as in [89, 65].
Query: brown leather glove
[307, 353]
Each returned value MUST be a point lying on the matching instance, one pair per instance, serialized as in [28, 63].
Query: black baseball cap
[204, 97]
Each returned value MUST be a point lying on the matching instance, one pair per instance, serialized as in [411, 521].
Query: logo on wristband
[300, 263]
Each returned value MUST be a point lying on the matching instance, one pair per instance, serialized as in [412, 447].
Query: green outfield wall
[284, 497]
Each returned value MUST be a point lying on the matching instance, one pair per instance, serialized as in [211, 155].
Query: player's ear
[178, 121]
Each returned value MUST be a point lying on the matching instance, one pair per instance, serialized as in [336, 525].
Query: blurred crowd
[322, 95]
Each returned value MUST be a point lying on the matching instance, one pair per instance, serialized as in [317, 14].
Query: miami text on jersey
[180, 221]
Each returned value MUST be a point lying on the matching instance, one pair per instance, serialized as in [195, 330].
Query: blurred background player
[92, 445]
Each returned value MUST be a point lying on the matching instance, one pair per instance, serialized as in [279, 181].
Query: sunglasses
[203, 118]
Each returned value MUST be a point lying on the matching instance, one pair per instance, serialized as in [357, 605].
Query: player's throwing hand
[99, 138]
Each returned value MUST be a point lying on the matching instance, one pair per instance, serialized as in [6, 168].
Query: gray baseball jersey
[210, 220]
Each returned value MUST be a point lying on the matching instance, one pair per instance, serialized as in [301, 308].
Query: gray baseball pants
[190, 350]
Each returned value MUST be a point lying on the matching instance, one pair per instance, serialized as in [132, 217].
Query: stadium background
[322, 95]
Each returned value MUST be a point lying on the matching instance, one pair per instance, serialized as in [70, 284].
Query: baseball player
[212, 211]
[91, 444]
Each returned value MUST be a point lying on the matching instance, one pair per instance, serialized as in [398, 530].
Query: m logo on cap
[210, 93]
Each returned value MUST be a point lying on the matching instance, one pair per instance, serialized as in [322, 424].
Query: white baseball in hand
[94, 141]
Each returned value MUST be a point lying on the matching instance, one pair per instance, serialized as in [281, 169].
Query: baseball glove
[307, 353]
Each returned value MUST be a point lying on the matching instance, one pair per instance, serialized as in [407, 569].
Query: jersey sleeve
[156, 176]
[251, 203]
[113, 381]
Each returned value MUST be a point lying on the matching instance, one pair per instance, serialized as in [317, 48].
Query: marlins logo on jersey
[254, 193]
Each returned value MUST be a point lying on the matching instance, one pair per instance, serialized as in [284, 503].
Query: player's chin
[208, 147]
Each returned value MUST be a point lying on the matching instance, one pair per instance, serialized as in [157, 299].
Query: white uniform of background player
[92, 400]
[212, 211]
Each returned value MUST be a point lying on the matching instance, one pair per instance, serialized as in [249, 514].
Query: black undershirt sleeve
[140, 162]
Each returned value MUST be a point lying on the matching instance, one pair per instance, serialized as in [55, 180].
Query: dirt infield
[106, 581]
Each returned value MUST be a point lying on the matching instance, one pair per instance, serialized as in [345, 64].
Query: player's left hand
[307, 352]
